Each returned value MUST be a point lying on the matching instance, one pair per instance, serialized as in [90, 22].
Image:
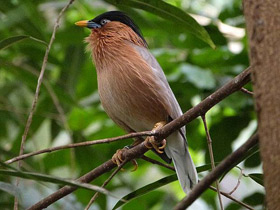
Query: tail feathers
[177, 150]
[185, 169]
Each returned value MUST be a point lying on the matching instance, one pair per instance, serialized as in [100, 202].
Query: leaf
[168, 12]
[52, 179]
[12, 40]
[253, 161]
[201, 78]
[150, 187]
[255, 199]
[257, 178]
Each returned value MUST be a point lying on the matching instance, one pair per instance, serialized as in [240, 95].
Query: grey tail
[177, 150]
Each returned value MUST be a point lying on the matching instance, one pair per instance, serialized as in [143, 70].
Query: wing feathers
[176, 148]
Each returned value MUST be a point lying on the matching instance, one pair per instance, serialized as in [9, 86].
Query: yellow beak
[82, 23]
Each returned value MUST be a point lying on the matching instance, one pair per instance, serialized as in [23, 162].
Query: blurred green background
[194, 70]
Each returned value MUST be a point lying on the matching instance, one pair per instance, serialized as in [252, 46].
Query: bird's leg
[150, 140]
[118, 156]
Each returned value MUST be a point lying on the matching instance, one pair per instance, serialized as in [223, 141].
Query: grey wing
[175, 110]
[176, 147]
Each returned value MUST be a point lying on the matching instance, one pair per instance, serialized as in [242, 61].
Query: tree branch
[40, 79]
[234, 85]
[244, 90]
[263, 31]
[232, 198]
[210, 148]
[80, 144]
[226, 164]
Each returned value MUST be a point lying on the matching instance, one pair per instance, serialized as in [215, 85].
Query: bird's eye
[104, 21]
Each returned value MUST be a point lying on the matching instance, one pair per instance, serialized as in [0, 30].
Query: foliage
[194, 70]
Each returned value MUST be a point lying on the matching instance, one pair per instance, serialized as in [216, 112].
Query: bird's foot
[118, 159]
[150, 141]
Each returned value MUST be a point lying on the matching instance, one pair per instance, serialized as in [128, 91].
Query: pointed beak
[88, 24]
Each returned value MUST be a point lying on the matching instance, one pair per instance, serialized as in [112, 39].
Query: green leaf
[201, 78]
[255, 199]
[12, 40]
[153, 186]
[253, 161]
[257, 178]
[148, 188]
[52, 179]
[168, 12]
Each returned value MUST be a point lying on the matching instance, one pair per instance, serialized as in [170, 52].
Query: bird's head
[114, 24]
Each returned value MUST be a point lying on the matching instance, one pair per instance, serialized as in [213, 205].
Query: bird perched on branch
[134, 91]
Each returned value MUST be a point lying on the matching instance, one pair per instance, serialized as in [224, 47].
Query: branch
[40, 79]
[80, 144]
[234, 85]
[238, 182]
[209, 143]
[244, 90]
[150, 160]
[232, 198]
[227, 164]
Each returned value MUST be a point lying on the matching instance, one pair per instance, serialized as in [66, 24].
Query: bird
[134, 91]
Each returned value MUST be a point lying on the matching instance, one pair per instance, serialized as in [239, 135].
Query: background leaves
[12, 40]
[171, 13]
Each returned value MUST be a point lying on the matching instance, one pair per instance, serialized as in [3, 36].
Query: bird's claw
[151, 143]
[118, 159]
[134, 162]
[150, 140]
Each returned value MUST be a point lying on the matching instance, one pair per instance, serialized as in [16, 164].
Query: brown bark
[263, 27]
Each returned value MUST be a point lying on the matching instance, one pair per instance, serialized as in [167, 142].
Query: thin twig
[80, 144]
[232, 198]
[244, 90]
[209, 143]
[40, 79]
[157, 162]
[36, 96]
[228, 163]
[105, 183]
[238, 182]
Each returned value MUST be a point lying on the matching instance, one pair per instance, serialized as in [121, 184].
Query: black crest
[121, 17]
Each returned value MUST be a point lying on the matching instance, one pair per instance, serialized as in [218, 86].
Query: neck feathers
[110, 40]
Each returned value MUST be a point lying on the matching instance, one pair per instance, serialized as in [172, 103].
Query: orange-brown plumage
[133, 88]
[121, 69]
